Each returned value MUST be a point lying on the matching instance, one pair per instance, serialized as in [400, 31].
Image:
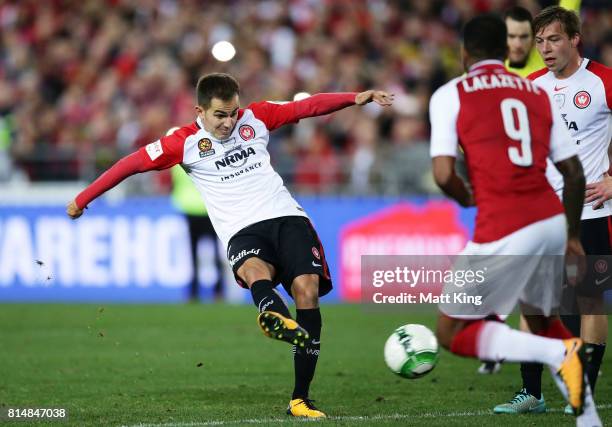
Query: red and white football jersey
[585, 101]
[507, 129]
[234, 176]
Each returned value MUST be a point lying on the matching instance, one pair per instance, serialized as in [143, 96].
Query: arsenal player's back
[504, 125]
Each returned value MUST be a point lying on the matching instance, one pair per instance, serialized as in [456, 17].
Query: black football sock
[305, 358]
[595, 354]
[532, 378]
[267, 299]
[572, 322]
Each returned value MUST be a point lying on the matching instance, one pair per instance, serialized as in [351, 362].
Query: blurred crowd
[83, 83]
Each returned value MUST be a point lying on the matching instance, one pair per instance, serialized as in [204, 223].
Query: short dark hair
[216, 85]
[484, 37]
[568, 19]
[518, 13]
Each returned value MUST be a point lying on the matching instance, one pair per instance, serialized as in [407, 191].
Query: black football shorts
[289, 243]
[595, 238]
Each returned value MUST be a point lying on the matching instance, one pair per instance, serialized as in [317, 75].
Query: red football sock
[556, 329]
[466, 340]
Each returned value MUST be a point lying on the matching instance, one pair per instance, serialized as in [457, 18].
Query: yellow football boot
[279, 327]
[304, 408]
[572, 373]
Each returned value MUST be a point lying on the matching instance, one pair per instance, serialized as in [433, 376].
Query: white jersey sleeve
[443, 112]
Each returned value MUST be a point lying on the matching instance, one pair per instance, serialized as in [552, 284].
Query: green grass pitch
[198, 365]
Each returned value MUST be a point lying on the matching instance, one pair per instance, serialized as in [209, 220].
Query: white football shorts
[526, 265]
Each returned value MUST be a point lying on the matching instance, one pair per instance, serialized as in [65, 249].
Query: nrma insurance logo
[235, 158]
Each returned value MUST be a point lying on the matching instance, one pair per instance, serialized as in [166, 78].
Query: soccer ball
[411, 351]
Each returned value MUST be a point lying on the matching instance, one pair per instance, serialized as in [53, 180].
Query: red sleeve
[158, 155]
[605, 74]
[127, 166]
[275, 115]
[537, 74]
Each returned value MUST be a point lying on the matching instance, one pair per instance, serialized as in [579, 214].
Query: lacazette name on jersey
[497, 81]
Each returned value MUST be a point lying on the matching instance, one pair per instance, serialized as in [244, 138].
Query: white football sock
[589, 417]
[499, 342]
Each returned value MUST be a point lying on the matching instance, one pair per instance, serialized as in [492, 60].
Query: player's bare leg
[594, 328]
[254, 269]
[305, 292]
[446, 330]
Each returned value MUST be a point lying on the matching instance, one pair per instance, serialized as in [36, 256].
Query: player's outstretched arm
[275, 114]
[380, 97]
[73, 210]
[161, 154]
[127, 166]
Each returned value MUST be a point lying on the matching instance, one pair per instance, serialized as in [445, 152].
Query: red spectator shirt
[507, 129]
[234, 176]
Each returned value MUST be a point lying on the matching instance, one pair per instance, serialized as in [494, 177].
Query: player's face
[520, 41]
[220, 117]
[556, 48]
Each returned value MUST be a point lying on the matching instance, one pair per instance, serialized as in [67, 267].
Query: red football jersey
[507, 129]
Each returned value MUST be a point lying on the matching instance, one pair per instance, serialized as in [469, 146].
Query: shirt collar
[487, 63]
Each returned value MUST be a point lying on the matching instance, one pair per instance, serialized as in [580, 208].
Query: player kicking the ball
[507, 128]
[268, 236]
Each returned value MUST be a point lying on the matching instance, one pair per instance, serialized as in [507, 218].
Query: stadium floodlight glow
[300, 95]
[223, 51]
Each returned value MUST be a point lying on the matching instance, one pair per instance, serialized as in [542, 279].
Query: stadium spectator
[605, 52]
[83, 69]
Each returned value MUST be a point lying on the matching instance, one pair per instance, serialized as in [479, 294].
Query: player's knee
[444, 337]
[589, 305]
[305, 290]
[445, 332]
[254, 269]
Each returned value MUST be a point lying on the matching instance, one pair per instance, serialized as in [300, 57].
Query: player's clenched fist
[380, 97]
[73, 210]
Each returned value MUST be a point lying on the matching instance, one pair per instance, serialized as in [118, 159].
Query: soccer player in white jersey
[582, 92]
[268, 236]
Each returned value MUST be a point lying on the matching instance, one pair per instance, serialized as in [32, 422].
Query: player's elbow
[442, 176]
[443, 170]
[573, 174]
